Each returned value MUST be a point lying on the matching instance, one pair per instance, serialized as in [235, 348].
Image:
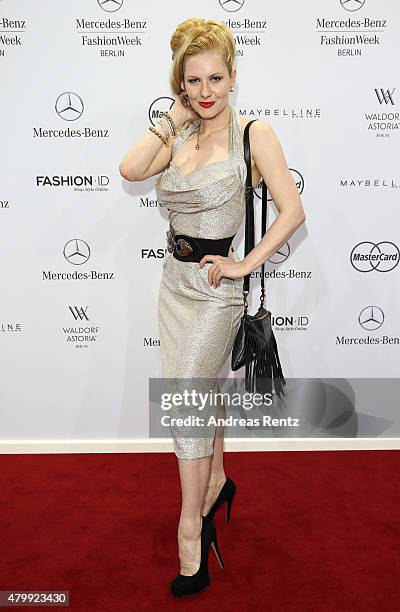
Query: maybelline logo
[7, 27]
[351, 36]
[291, 113]
[370, 318]
[81, 336]
[370, 183]
[77, 253]
[69, 106]
[381, 257]
[10, 328]
[77, 182]
[385, 122]
[290, 323]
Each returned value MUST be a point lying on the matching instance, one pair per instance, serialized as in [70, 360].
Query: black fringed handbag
[255, 346]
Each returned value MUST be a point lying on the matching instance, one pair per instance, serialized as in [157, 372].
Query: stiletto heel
[217, 553]
[183, 586]
[228, 508]
[227, 494]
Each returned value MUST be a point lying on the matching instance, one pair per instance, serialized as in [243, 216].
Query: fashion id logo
[77, 183]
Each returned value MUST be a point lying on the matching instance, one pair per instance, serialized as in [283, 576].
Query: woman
[198, 148]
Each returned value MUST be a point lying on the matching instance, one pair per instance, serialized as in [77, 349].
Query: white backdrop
[82, 249]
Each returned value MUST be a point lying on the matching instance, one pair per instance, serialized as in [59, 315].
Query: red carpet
[309, 531]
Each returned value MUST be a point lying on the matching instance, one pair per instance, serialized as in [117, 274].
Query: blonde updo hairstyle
[194, 36]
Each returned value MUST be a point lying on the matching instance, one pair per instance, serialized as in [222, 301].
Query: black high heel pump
[183, 586]
[227, 494]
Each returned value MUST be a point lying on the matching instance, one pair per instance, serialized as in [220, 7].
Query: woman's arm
[271, 163]
[149, 155]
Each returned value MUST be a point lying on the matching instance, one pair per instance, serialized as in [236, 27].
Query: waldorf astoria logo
[69, 107]
[384, 121]
[81, 335]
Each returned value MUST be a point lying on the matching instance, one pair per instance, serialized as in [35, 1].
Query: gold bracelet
[171, 122]
[165, 126]
[165, 140]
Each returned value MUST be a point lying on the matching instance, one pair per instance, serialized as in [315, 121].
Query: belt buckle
[183, 247]
[170, 241]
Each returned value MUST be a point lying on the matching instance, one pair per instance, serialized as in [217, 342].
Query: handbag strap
[249, 223]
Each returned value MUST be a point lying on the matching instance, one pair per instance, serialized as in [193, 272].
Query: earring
[232, 89]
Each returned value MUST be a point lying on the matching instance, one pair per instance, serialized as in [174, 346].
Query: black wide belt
[187, 248]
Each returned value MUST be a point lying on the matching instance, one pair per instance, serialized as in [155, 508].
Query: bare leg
[217, 473]
[194, 475]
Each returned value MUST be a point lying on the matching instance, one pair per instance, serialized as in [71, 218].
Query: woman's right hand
[182, 111]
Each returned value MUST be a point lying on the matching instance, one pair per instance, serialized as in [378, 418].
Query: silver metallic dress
[198, 322]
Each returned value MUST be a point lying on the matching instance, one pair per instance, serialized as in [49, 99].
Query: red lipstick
[206, 104]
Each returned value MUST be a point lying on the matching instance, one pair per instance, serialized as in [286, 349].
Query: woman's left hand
[222, 267]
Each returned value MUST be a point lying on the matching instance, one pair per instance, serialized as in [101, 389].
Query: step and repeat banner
[82, 249]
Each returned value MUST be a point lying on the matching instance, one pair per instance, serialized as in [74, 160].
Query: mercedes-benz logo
[352, 5]
[367, 256]
[281, 254]
[110, 5]
[77, 252]
[371, 318]
[69, 106]
[231, 5]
